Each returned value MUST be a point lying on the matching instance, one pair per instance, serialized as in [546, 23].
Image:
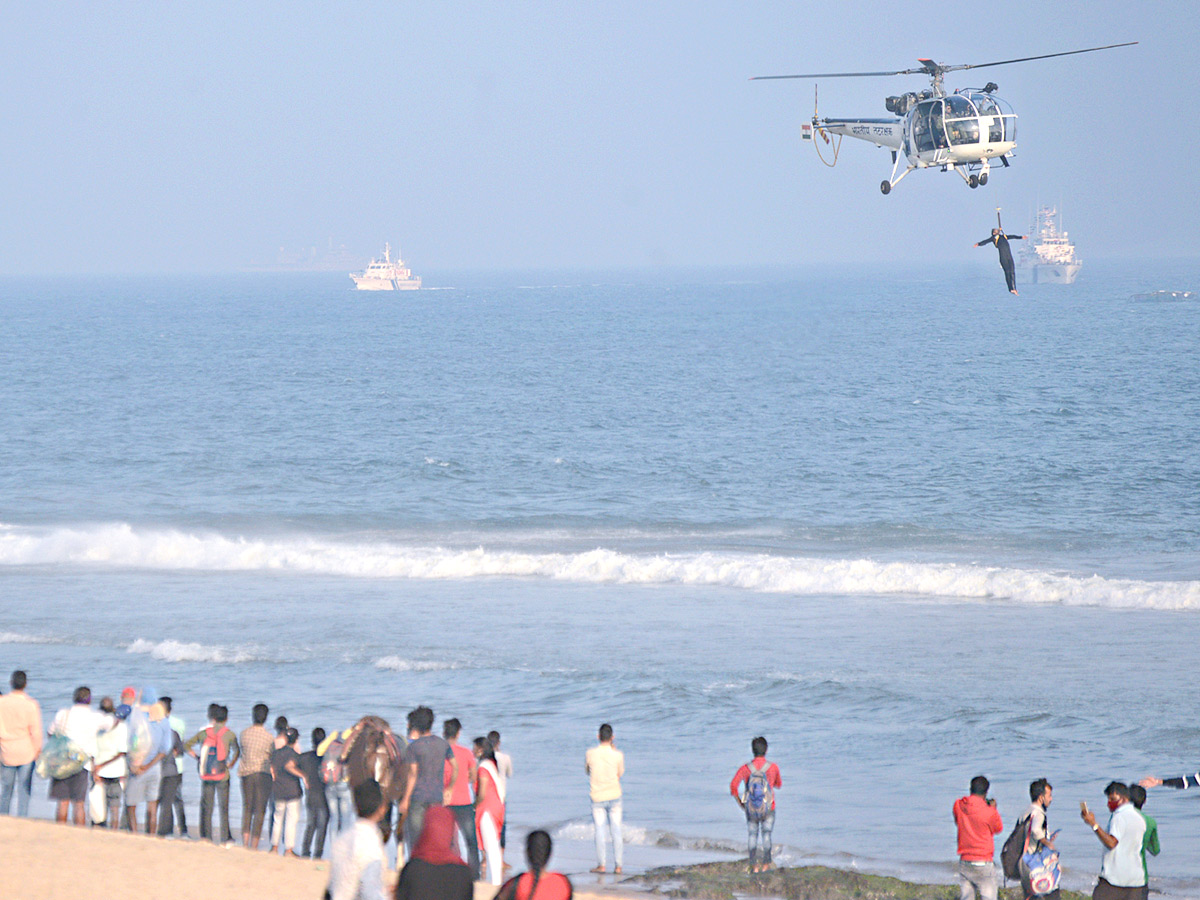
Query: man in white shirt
[111, 747]
[1122, 875]
[80, 724]
[605, 765]
[357, 861]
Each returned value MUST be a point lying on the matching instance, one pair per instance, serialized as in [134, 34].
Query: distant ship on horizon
[1047, 256]
[387, 274]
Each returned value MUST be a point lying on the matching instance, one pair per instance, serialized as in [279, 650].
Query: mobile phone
[1083, 806]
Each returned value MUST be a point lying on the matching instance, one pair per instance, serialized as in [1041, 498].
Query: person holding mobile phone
[1038, 835]
[978, 824]
[1122, 876]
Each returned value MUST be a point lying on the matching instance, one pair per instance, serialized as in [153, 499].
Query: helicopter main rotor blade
[932, 68]
[838, 75]
[1005, 62]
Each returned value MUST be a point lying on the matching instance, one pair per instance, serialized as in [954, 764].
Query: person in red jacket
[761, 779]
[978, 824]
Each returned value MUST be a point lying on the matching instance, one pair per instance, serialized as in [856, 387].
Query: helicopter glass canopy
[962, 120]
[929, 131]
[996, 117]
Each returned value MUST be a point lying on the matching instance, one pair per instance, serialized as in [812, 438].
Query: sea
[906, 526]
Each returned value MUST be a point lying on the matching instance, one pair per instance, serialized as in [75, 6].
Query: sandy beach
[46, 861]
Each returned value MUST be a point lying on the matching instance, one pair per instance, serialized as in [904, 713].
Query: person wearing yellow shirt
[605, 765]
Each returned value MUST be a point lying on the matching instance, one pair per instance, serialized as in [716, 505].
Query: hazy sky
[204, 136]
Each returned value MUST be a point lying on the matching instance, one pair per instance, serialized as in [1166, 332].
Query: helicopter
[962, 132]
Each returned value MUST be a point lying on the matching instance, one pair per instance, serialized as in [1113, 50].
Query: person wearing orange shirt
[978, 824]
[20, 744]
[458, 783]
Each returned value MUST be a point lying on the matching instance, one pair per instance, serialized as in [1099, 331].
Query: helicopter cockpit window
[989, 115]
[985, 104]
[962, 122]
[928, 131]
[1010, 120]
[959, 107]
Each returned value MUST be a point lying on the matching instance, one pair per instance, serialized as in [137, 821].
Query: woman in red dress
[489, 809]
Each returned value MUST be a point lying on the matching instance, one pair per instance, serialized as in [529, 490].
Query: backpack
[332, 768]
[1044, 872]
[60, 758]
[1014, 849]
[214, 755]
[759, 796]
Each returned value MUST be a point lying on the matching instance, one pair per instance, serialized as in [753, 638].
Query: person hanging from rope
[1000, 239]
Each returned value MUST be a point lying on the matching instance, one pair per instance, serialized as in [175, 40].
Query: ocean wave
[12, 637]
[123, 546]
[399, 664]
[186, 652]
[584, 830]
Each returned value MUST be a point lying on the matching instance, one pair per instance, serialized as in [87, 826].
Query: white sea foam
[11, 637]
[399, 664]
[122, 546]
[584, 830]
[181, 651]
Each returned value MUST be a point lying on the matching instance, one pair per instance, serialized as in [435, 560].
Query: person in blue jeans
[760, 779]
[605, 765]
[20, 743]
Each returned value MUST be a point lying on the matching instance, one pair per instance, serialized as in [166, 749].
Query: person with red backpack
[761, 779]
[218, 752]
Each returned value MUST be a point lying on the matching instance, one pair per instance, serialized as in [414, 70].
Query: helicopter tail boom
[880, 132]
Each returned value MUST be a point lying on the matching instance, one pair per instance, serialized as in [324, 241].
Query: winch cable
[837, 148]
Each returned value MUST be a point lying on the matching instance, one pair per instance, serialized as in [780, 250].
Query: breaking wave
[584, 830]
[399, 664]
[122, 546]
[12, 637]
[184, 652]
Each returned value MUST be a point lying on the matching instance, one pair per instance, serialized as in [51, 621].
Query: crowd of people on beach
[1030, 856]
[106, 764]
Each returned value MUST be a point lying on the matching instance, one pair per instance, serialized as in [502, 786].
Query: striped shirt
[257, 744]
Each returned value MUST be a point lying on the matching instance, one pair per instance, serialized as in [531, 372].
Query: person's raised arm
[1105, 838]
[1182, 782]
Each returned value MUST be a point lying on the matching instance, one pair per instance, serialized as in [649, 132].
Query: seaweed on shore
[729, 880]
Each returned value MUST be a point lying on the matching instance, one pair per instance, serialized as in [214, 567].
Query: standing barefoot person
[761, 778]
[489, 809]
[80, 725]
[20, 744]
[286, 773]
[605, 765]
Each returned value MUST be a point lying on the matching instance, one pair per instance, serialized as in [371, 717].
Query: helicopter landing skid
[887, 185]
[972, 180]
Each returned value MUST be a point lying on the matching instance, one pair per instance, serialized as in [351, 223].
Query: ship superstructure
[1047, 256]
[387, 274]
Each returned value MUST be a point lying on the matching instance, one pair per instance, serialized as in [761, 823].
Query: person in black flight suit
[1000, 239]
